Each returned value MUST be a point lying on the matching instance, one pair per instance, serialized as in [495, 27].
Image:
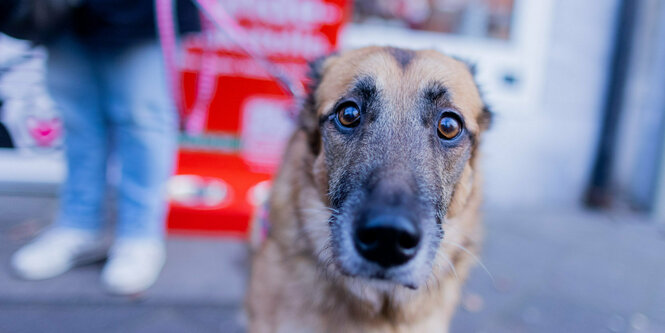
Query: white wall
[542, 157]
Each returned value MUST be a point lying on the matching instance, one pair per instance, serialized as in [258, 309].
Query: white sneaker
[133, 265]
[56, 251]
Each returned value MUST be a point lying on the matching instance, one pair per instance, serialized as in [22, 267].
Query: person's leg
[73, 239]
[72, 82]
[144, 125]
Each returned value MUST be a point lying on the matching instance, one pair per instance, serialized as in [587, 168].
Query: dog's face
[392, 133]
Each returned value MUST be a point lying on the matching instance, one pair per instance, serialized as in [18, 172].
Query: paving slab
[551, 271]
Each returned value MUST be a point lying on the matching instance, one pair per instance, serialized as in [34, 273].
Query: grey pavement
[551, 271]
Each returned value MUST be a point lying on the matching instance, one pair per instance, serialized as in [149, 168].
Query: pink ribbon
[219, 18]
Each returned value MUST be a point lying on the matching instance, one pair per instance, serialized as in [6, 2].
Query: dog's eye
[349, 115]
[449, 126]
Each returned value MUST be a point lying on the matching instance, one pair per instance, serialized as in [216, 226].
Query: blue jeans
[114, 102]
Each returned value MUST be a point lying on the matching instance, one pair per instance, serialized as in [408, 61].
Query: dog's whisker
[436, 268]
[438, 281]
[325, 247]
[453, 228]
[336, 211]
[452, 266]
[472, 256]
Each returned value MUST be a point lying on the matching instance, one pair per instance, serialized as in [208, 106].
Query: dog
[374, 212]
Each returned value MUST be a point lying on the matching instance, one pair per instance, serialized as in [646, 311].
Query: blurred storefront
[542, 64]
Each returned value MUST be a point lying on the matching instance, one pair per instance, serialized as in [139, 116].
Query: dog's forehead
[401, 75]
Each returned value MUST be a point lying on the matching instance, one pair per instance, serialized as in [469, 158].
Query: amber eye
[349, 115]
[449, 126]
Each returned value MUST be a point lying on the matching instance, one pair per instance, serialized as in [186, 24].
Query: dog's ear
[308, 119]
[485, 118]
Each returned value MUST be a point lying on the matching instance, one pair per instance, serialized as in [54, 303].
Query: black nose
[388, 240]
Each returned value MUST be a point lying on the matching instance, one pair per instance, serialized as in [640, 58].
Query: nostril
[407, 241]
[367, 237]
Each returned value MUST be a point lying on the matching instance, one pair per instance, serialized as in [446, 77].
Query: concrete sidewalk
[570, 271]
[200, 289]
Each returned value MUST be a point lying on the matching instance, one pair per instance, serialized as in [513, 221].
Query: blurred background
[574, 163]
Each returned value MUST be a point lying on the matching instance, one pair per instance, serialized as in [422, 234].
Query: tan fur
[291, 290]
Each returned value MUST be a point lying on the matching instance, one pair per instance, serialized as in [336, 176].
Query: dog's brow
[435, 91]
[365, 87]
[363, 91]
[434, 96]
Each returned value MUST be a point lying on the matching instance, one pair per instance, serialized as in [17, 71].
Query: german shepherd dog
[374, 213]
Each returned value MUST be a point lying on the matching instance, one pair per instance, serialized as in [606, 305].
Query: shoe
[133, 266]
[56, 251]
